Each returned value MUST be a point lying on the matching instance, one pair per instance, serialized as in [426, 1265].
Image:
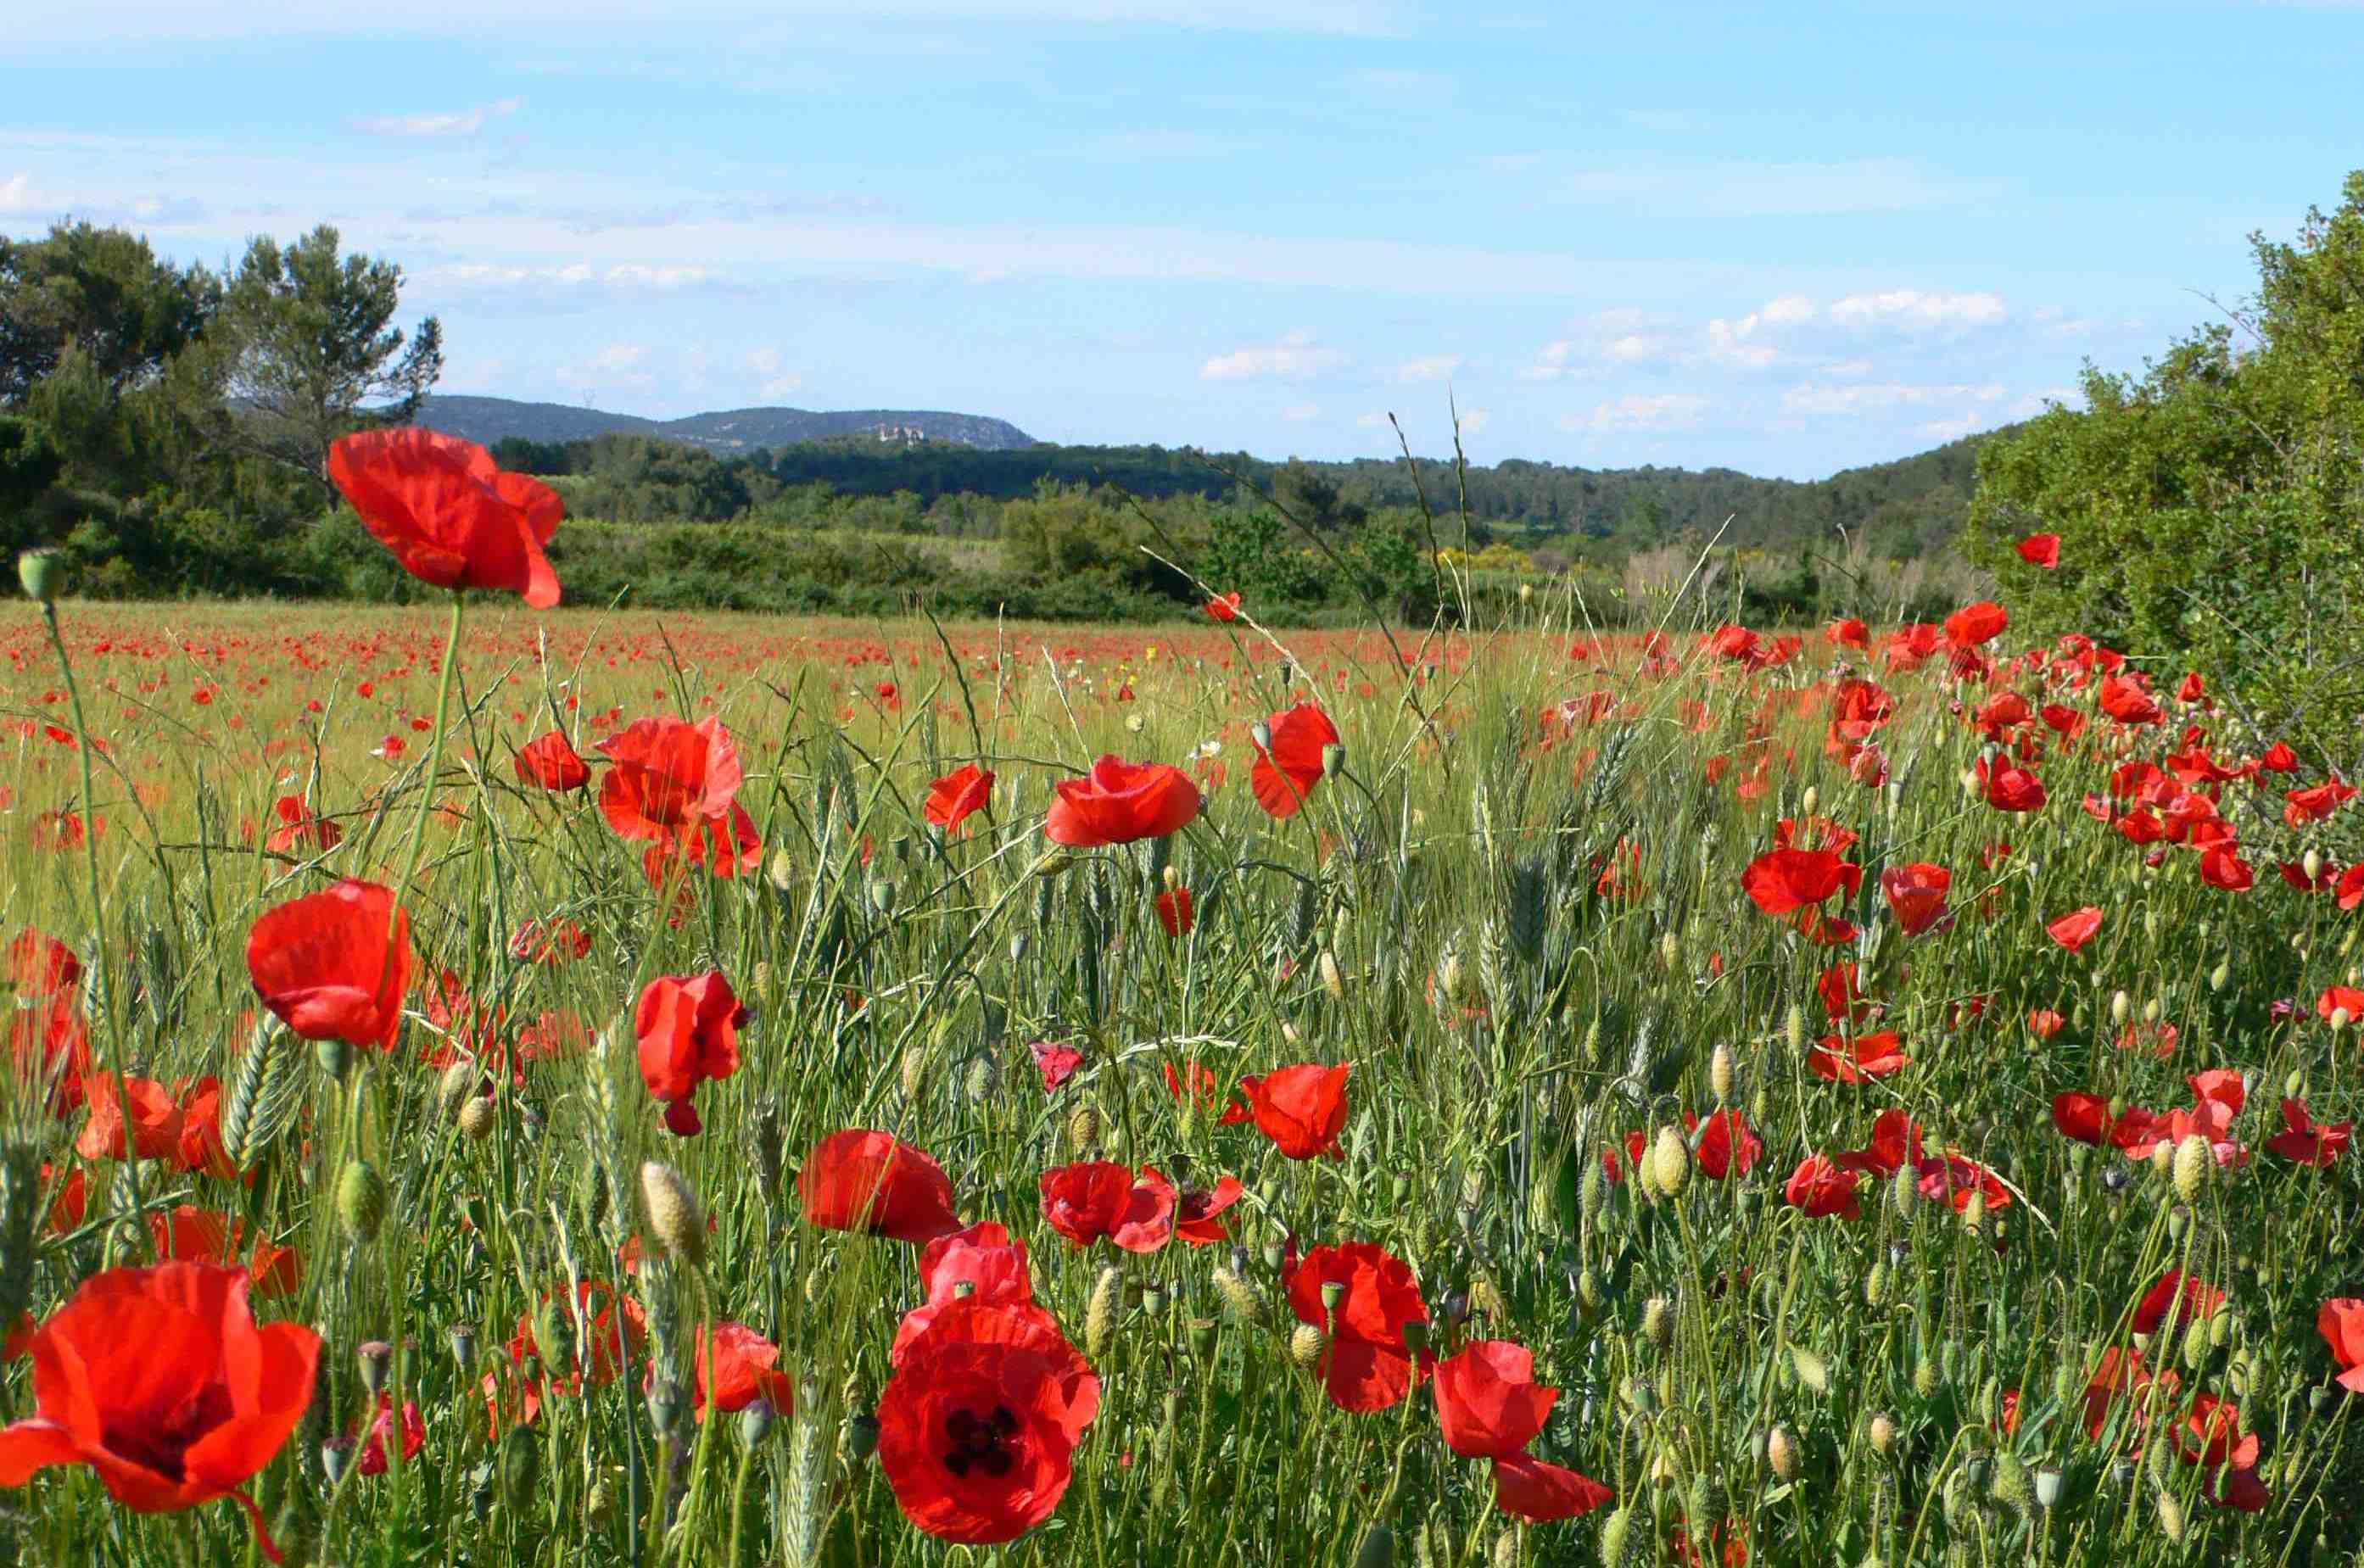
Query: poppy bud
[2162, 1160]
[1882, 1433]
[1326, 965]
[2195, 1346]
[1671, 1161]
[376, 1358]
[1670, 951]
[2193, 1162]
[982, 1080]
[674, 1217]
[1925, 1377]
[360, 1200]
[1718, 1073]
[335, 1057]
[1307, 1345]
[1657, 1323]
[452, 1089]
[861, 1436]
[1334, 759]
[1904, 1192]
[1100, 1313]
[2120, 1007]
[2339, 1019]
[2171, 1516]
[1379, 1548]
[1781, 1453]
[39, 573]
[755, 1423]
[1615, 1532]
[1974, 1213]
[476, 1118]
[1794, 1027]
[520, 1464]
[1085, 1125]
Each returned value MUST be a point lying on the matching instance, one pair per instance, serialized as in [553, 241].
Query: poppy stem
[434, 753]
[117, 1067]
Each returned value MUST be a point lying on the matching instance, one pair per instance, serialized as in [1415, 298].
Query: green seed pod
[40, 573]
[360, 1200]
[2221, 976]
[1904, 1192]
[1925, 1377]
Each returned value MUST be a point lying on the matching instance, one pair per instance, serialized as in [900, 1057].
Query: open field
[1897, 1091]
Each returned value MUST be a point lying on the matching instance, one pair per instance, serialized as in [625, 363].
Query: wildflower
[859, 1180]
[450, 517]
[1366, 1366]
[954, 798]
[1301, 1108]
[687, 1029]
[334, 964]
[1118, 802]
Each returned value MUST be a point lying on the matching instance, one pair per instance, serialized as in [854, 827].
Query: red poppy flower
[1367, 1366]
[2126, 699]
[550, 762]
[979, 1426]
[1858, 1059]
[2087, 1119]
[1727, 1146]
[50, 1045]
[2211, 1434]
[1224, 607]
[2317, 803]
[953, 798]
[2341, 1324]
[2348, 999]
[1206, 1090]
[612, 1329]
[671, 779]
[1847, 633]
[2077, 927]
[2305, 1141]
[1196, 1213]
[41, 966]
[1916, 893]
[1301, 1108]
[2123, 1376]
[553, 943]
[1488, 1401]
[1177, 911]
[2222, 866]
[1821, 1187]
[2176, 1298]
[207, 1236]
[450, 516]
[299, 829]
[2043, 1023]
[1975, 624]
[735, 1367]
[857, 1180]
[373, 1459]
[1286, 771]
[980, 1264]
[2010, 787]
[201, 1150]
[1118, 802]
[1954, 1181]
[161, 1381]
[1895, 1143]
[155, 1119]
[334, 964]
[1528, 1488]
[687, 1026]
[1094, 1198]
[1782, 882]
[2041, 551]
[1056, 1063]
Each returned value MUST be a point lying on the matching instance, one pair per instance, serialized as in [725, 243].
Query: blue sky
[1787, 240]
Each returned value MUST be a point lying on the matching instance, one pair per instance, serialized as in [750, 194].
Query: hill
[491, 420]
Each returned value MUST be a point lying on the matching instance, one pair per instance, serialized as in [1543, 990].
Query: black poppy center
[980, 1441]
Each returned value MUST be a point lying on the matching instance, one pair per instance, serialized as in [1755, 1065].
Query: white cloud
[1473, 420]
[1952, 430]
[1811, 398]
[1847, 367]
[1910, 308]
[16, 193]
[1298, 413]
[571, 275]
[1294, 358]
[618, 365]
[1728, 344]
[1371, 421]
[1640, 411]
[1435, 367]
[1633, 347]
[466, 122]
[763, 361]
[780, 386]
[1789, 310]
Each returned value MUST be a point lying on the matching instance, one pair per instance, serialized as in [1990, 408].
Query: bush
[2209, 511]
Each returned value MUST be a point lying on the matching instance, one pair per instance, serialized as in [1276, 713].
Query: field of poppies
[496, 1084]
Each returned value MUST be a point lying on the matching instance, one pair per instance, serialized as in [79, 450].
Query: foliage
[2211, 510]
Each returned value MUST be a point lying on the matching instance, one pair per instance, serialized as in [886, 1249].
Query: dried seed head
[476, 1118]
[1086, 1127]
[1240, 1298]
[452, 1089]
[676, 1218]
[1882, 1433]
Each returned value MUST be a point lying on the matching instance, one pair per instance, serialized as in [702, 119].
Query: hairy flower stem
[117, 1064]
